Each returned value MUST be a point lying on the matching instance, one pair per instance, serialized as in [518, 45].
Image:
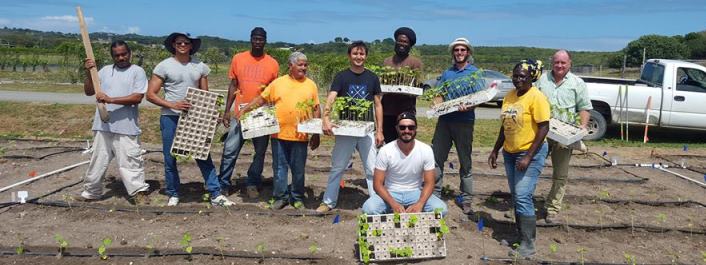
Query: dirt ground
[611, 213]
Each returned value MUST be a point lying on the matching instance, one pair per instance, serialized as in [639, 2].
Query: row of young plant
[149, 249]
[401, 76]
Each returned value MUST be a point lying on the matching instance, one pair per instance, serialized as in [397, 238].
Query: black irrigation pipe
[588, 228]
[485, 259]
[579, 178]
[170, 210]
[507, 196]
[73, 149]
[80, 253]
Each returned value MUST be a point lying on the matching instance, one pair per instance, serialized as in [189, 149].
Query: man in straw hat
[176, 74]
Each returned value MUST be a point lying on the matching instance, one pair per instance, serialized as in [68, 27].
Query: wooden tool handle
[89, 50]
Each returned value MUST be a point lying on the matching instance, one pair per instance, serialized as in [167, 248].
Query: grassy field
[74, 121]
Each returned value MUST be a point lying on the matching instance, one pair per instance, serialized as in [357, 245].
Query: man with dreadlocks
[395, 104]
[525, 124]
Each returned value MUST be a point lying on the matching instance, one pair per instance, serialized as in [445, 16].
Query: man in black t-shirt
[358, 83]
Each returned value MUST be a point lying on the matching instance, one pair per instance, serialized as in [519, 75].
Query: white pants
[126, 149]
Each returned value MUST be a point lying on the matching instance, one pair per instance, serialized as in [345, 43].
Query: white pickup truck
[677, 88]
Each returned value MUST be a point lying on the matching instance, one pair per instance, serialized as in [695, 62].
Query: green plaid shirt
[566, 99]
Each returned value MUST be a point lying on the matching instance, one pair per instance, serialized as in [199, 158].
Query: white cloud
[5, 22]
[133, 29]
[65, 19]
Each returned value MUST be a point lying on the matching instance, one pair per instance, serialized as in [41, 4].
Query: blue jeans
[168, 124]
[288, 155]
[341, 156]
[376, 205]
[522, 183]
[231, 149]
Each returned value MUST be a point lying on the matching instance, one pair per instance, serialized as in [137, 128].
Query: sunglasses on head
[405, 127]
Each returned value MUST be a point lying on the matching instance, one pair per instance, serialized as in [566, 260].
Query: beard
[407, 140]
[401, 50]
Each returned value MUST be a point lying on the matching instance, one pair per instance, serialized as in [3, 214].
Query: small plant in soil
[20, 249]
[313, 248]
[220, 247]
[629, 259]
[68, 199]
[661, 218]
[515, 254]
[396, 219]
[186, 243]
[553, 248]
[582, 253]
[206, 198]
[102, 249]
[443, 229]
[260, 249]
[62, 244]
[352, 109]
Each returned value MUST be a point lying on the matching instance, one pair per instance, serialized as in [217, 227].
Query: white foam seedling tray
[259, 122]
[313, 126]
[564, 133]
[353, 128]
[196, 127]
[422, 238]
[471, 100]
[401, 89]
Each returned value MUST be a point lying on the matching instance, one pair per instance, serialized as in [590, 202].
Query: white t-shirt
[178, 78]
[116, 82]
[404, 173]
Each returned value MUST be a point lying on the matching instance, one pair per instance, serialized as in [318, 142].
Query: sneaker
[140, 198]
[80, 198]
[252, 192]
[323, 208]
[173, 201]
[552, 218]
[298, 205]
[222, 200]
[278, 204]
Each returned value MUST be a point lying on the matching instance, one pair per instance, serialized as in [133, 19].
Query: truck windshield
[653, 74]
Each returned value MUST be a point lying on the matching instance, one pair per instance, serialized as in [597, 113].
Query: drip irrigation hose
[169, 210]
[579, 178]
[489, 221]
[197, 251]
[73, 149]
[507, 196]
[485, 259]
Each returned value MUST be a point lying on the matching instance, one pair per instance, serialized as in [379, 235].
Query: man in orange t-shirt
[250, 72]
[289, 146]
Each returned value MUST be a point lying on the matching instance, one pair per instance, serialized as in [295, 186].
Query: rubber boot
[527, 229]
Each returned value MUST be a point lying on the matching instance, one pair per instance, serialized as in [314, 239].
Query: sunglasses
[460, 50]
[183, 43]
[405, 127]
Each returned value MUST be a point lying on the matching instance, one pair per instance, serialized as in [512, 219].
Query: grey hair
[296, 56]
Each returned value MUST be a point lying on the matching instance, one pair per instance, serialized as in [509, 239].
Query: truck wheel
[596, 126]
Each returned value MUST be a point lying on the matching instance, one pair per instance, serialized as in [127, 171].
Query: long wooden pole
[102, 111]
[647, 118]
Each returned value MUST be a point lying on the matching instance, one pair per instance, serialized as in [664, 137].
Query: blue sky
[599, 25]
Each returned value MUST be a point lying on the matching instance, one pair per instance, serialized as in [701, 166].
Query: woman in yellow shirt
[525, 123]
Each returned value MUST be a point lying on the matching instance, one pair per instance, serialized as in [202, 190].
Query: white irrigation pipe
[45, 175]
[682, 176]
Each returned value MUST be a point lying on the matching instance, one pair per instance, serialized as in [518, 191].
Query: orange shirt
[285, 92]
[252, 74]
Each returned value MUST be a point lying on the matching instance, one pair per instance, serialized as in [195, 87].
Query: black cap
[407, 32]
[258, 31]
[406, 115]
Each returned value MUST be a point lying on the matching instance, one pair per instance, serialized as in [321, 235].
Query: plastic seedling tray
[313, 126]
[196, 127]
[259, 122]
[471, 100]
[384, 234]
[353, 128]
[564, 133]
[401, 89]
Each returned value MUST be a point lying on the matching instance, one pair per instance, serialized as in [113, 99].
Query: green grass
[42, 87]
[75, 121]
